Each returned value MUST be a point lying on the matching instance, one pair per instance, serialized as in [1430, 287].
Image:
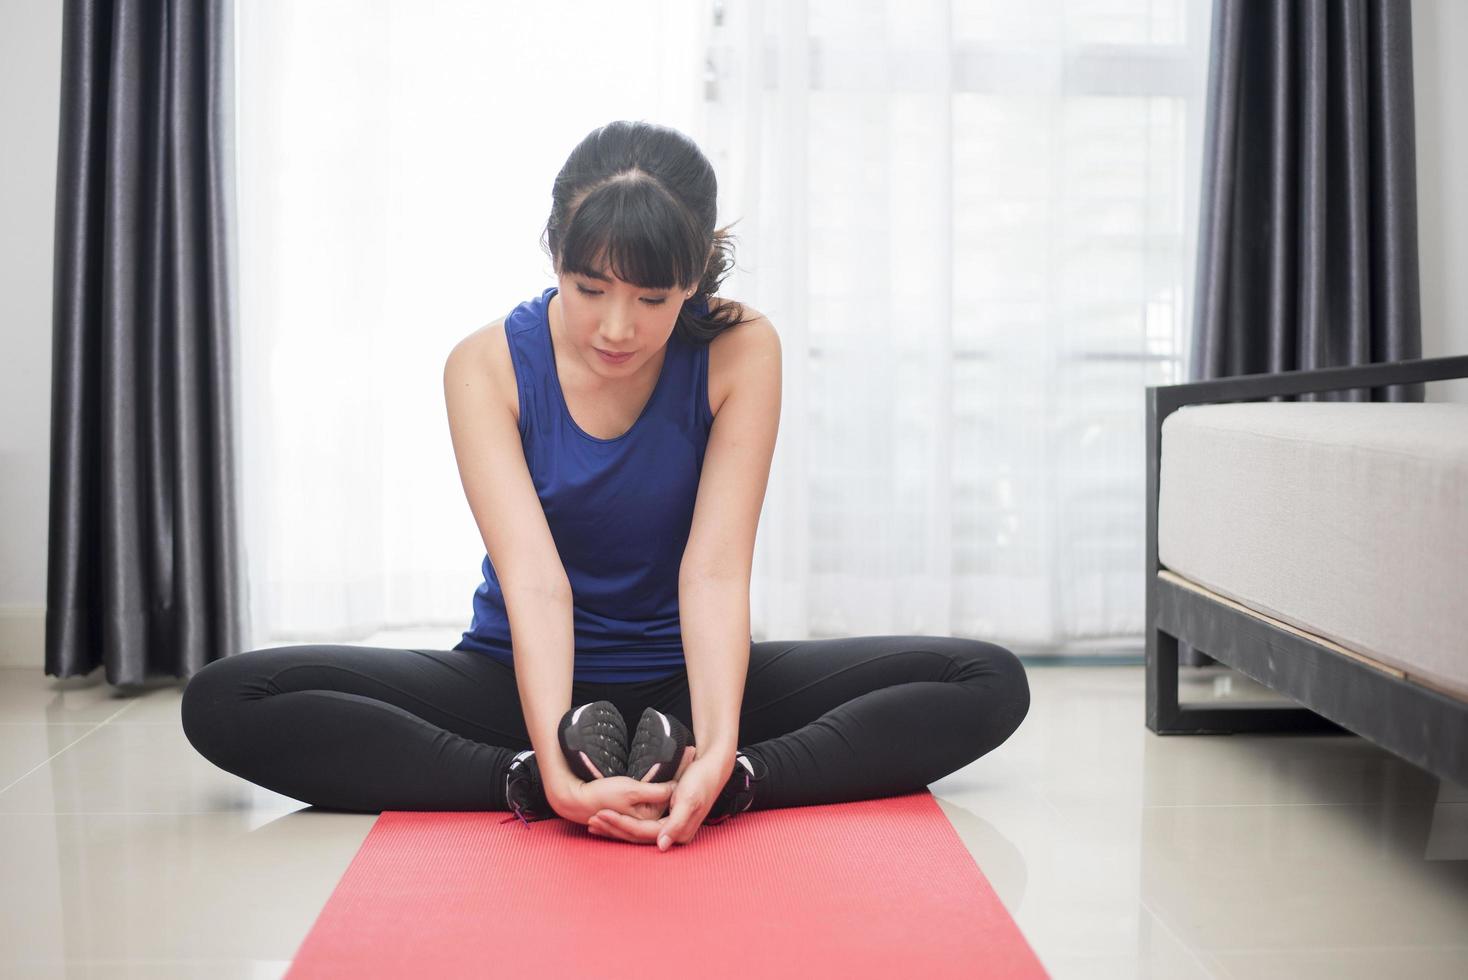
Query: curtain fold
[144, 573]
[968, 224]
[1307, 252]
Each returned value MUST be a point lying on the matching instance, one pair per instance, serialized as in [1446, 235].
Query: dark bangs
[632, 228]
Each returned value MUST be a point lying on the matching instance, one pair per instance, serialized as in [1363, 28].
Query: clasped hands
[643, 812]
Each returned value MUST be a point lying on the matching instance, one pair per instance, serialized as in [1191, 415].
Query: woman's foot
[594, 740]
[524, 792]
[738, 793]
[661, 749]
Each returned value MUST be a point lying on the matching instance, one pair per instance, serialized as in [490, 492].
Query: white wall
[30, 72]
[30, 98]
[1439, 36]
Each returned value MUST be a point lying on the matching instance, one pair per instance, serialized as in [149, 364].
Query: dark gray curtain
[144, 574]
[1307, 246]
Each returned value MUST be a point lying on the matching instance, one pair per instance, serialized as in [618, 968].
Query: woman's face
[608, 316]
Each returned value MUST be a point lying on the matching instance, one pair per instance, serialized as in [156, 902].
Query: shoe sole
[594, 740]
[657, 747]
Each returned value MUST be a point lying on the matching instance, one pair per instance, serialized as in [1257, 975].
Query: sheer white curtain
[395, 169]
[970, 222]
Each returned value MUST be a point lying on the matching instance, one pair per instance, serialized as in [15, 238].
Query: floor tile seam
[45, 724]
[46, 762]
[109, 718]
[137, 724]
[131, 704]
[1191, 951]
[1054, 807]
[5, 789]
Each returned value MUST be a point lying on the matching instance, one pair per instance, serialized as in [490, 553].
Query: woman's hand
[652, 811]
[645, 812]
[579, 801]
[693, 796]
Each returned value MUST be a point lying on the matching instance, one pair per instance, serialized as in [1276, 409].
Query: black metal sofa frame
[1335, 690]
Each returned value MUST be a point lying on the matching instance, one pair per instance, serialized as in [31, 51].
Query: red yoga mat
[877, 888]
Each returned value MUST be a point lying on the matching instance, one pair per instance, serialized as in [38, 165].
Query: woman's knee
[209, 701]
[1003, 679]
[1017, 683]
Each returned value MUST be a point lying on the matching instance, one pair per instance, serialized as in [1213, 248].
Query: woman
[614, 437]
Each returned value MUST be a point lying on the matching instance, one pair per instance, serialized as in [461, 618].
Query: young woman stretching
[614, 437]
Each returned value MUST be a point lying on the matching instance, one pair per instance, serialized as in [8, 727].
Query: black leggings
[372, 729]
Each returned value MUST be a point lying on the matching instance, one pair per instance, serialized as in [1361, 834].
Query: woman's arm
[517, 538]
[715, 616]
[713, 580]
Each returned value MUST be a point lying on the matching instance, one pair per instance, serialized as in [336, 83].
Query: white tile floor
[1120, 853]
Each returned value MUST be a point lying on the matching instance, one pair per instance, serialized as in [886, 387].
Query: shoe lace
[520, 814]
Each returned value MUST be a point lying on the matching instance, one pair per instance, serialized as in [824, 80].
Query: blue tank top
[619, 509]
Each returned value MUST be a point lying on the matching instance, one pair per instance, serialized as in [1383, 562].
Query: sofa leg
[1162, 705]
[1166, 716]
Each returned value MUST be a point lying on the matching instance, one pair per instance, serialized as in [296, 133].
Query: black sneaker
[524, 792]
[738, 793]
[658, 746]
[595, 734]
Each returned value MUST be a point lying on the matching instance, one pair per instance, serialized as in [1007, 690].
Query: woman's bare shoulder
[489, 348]
[732, 345]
